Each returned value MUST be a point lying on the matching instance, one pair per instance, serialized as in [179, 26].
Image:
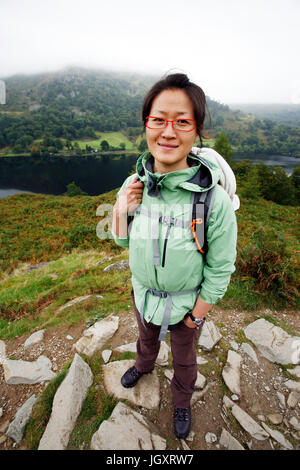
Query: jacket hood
[200, 176]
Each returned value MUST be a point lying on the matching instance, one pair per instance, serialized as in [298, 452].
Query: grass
[113, 138]
[62, 230]
[43, 228]
[284, 368]
[96, 408]
[31, 301]
[42, 411]
[240, 337]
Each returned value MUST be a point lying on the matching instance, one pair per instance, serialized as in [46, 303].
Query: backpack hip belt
[168, 296]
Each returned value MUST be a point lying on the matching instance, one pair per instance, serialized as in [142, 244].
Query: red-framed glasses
[184, 125]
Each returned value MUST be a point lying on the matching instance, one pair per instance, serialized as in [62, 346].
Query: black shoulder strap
[202, 205]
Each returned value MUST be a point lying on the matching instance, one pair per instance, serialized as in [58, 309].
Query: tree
[295, 180]
[59, 144]
[223, 147]
[76, 147]
[250, 187]
[104, 145]
[275, 185]
[74, 190]
[143, 145]
[34, 151]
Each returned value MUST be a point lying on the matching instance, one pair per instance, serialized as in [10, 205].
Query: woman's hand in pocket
[189, 323]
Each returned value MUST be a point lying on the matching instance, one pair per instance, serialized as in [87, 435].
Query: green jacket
[184, 267]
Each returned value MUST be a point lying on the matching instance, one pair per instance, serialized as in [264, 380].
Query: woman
[174, 285]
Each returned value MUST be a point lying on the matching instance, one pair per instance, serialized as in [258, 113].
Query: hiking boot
[182, 422]
[132, 376]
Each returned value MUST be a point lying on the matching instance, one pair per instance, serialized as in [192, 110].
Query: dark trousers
[183, 347]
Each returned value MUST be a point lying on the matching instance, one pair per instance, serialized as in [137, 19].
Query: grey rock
[231, 372]
[67, 404]
[275, 418]
[127, 430]
[35, 338]
[293, 399]
[249, 351]
[145, 393]
[106, 260]
[118, 266]
[37, 266]
[17, 426]
[106, 355]
[76, 301]
[295, 371]
[25, 372]
[273, 342]
[169, 374]
[95, 337]
[235, 397]
[281, 398]
[163, 355]
[199, 384]
[293, 385]
[227, 402]
[229, 442]
[234, 345]
[261, 418]
[162, 358]
[191, 436]
[295, 423]
[199, 394]
[249, 424]
[129, 347]
[278, 436]
[210, 438]
[201, 360]
[2, 351]
[184, 445]
[209, 337]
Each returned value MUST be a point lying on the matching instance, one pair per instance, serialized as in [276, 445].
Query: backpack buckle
[196, 221]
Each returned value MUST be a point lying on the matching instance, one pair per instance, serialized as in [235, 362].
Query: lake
[94, 174]
[287, 163]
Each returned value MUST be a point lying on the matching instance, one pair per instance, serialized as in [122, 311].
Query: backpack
[203, 201]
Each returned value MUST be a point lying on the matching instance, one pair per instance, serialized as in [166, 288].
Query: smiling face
[168, 146]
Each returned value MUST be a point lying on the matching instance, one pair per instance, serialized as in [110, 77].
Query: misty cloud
[237, 51]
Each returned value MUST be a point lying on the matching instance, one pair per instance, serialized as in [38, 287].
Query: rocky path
[244, 398]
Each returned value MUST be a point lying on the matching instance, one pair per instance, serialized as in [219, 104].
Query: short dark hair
[182, 82]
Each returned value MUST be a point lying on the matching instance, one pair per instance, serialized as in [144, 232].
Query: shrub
[250, 187]
[268, 261]
[74, 190]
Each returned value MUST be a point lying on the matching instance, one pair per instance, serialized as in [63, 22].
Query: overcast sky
[236, 50]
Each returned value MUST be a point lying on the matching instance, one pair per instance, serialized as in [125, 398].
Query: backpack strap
[201, 209]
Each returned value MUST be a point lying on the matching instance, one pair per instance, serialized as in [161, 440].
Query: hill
[282, 113]
[53, 110]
